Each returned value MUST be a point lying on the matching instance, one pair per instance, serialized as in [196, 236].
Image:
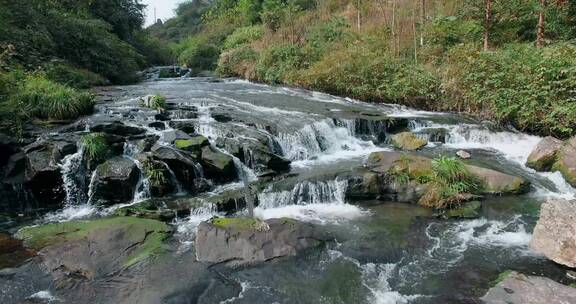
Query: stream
[384, 252]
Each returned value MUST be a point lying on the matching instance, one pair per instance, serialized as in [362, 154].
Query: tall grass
[38, 97]
[95, 147]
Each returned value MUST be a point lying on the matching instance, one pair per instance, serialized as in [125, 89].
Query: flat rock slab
[555, 232]
[239, 241]
[517, 288]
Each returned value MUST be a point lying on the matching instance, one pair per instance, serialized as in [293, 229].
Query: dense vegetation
[435, 55]
[50, 49]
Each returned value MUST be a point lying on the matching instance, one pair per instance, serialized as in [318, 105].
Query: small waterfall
[72, 170]
[245, 174]
[306, 193]
[320, 202]
[323, 137]
[179, 189]
[142, 191]
[91, 187]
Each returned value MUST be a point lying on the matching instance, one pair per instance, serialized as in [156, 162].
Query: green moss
[239, 223]
[408, 141]
[501, 277]
[95, 146]
[573, 285]
[467, 211]
[38, 237]
[193, 144]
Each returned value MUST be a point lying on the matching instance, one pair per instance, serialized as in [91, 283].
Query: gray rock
[115, 181]
[186, 169]
[117, 128]
[408, 141]
[555, 233]
[218, 166]
[544, 154]
[241, 241]
[517, 288]
[566, 161]
[173, 135]
[463, 154]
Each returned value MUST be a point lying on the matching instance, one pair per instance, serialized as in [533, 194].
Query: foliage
[155, 172]
[66, 74]
[243, 35]
[449, 184]
[278, 63]
[38, 97]
[532, 89]
[238, 62]
[95, 147]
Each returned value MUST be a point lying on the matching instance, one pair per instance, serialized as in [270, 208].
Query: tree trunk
[423, 21]
[540, 33]
[488, 24]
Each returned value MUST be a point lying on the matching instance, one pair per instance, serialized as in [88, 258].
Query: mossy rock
[147, 235]
[194, 144]
[469, 210]
[237, 223]
[408, 141]
[150, 209]
[501, 277]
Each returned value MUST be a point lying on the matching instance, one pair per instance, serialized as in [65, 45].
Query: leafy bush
[360, 73]
[155, 172]
[95, 147]
[279, 63]
[532, 89]
[199, 55]
[449, 184]
[68, 75]
[41, 98]
[240, 61]
[243, 35]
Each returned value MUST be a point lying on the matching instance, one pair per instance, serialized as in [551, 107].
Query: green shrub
[529, 88]
[278, 63]
[41, 98]
[68, 75]
[243, 35]
[240, 61]
[155, 172]
[360, 73]
[156, 102]
[449, 184]
[199, 55]
[95, 147]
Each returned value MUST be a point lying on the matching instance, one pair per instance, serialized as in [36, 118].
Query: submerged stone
[469, 210]
[516, 288]
[244, 241]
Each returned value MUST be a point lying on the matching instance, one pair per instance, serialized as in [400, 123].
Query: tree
[540, 30]
[488, 24]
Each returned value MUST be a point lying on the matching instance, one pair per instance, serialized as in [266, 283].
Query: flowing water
[384, 253]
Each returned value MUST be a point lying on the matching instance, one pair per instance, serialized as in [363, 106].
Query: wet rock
[151, 209]
[555, 233]
[495, 182]
[184, 126]
[165, 116]
[117, 128]
[566, 162]
[469, 210]
[543, 156]
[218, 166]
[174, 135]
[463, 154]
[408, 141]
[115, 181]
[12, 253]
[83, 251]
[224, 118]
[364, 186]
[435, 134]
[256, 154]
[186, 170]
[193, 144]
[158, 125]
[242, 241]
[517, 288]
[8, 147]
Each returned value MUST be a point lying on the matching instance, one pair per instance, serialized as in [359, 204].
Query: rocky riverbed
[234, 192]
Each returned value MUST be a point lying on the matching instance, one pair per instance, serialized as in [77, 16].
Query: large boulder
[117, 128]
[496, 182]
[408, 141]
[517, 288]
[218, 166]
[80, 251]
[566, 161]
[543, 156]
[187, 171]
[115, 181]
[242, 241]
[555, 232]
[193, 144]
